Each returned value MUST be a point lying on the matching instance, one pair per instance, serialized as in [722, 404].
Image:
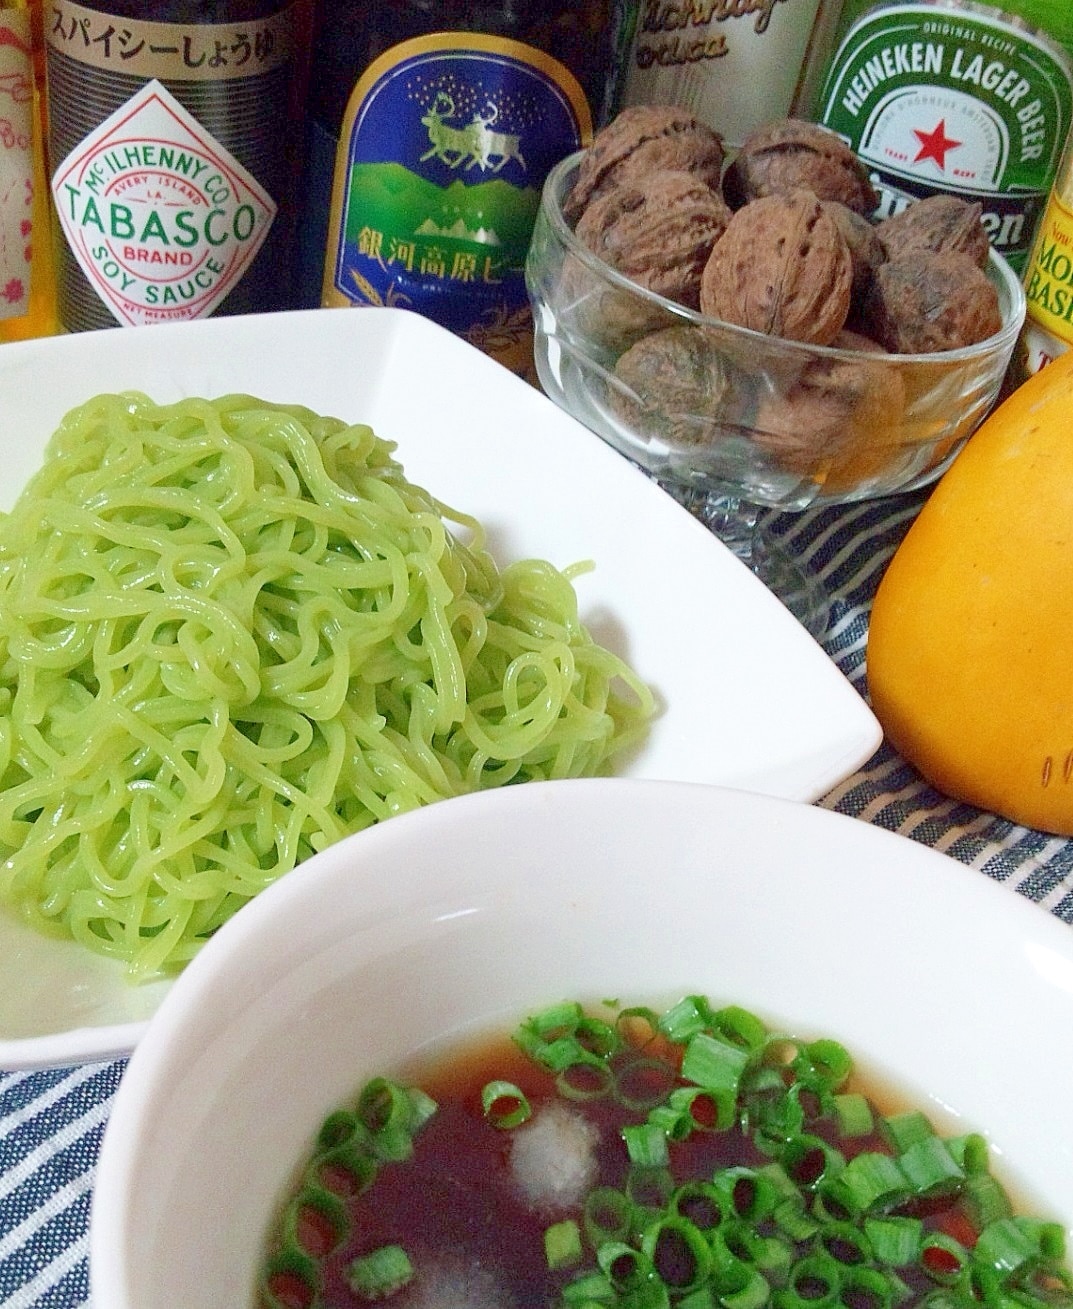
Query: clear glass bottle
[175, 135]
[433, 125]
[957, 96]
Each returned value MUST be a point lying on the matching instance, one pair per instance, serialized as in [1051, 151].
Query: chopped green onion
[984, 1200]
[597, 1037]
[740, 1027]
[769, 1255]
[286, 1275]
[822, 1065]
[815, 1280]
[737, 1285]
[627, 1269]
[846, 1243]
[637, 1025]
[549, 1037]
[392, 1115]
[748, 1193]
[643, 1083]
[867, 1288]
[346, 1170]
[778, 1116]
[1014, 1245]
[504, 1104]
[675, 1124]
[690, 1016]
[314, 1221]
[562, 1244]
[791, 1217]
[585, 1079]
[713, 1063]
[900, 1131]
[701, 1298]
[930, 1168]
[589, 1290]
[339, 1128]
[679, 1253]
[380, 1273]
[707, 1108]
[853, 1114]
[870, 1181]
[809, 1160]
[943, 1258]
[971, 1152]
[646, 1145]
[701, 1202]
[895, 1240]
[607, 1215]
[650, 1190]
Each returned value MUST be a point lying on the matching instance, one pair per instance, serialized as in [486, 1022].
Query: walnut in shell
[926, 301]
[781, 267]
[790, 154]
[642, 140]
[676, 382]
[659, 235]
[837, 411]
[937, 222]
[866, 250]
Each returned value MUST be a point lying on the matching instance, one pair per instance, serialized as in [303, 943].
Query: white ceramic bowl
[748, 698]
[471, 912]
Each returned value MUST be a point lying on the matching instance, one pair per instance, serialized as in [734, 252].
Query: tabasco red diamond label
[162, 219]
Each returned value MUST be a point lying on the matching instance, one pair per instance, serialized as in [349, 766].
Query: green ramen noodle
[232, 632]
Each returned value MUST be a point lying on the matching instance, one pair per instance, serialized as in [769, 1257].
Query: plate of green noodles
[268, 581]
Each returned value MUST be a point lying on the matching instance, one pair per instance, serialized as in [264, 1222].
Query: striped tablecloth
[51, 1122]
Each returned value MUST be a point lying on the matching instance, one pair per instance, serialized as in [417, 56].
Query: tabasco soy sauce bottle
[434, 125]
[174, 145]
[962, 96]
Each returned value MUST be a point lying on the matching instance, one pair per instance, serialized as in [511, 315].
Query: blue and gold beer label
[444, 148]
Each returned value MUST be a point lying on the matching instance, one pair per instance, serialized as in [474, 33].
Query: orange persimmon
[970, 643]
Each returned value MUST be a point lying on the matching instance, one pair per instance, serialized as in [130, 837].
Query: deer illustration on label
[442, 155]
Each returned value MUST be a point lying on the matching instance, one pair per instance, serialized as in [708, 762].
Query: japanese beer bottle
[967, 97]
[27, 283]
[175, 133]
[433, 126]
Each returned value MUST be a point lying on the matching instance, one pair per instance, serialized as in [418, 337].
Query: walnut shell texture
[838, 410]
[926, 301]
[642, 140]
[676, 382]
[790, 154]
[937, 222]
[782, 267]
[659, 236]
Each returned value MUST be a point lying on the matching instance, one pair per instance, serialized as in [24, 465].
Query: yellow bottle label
[1049, 283]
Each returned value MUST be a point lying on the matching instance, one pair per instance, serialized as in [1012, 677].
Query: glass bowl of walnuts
[747, 331]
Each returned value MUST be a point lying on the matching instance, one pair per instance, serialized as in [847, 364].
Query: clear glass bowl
[717, 412]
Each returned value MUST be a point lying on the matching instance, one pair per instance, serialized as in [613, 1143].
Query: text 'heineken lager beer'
[956, 96]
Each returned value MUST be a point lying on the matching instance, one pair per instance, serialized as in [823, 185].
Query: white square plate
[749, 699]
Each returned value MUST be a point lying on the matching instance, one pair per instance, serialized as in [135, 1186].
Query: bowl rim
[1000, 273]
[983, 903]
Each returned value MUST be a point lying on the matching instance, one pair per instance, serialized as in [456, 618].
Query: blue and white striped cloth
[51, 1122]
